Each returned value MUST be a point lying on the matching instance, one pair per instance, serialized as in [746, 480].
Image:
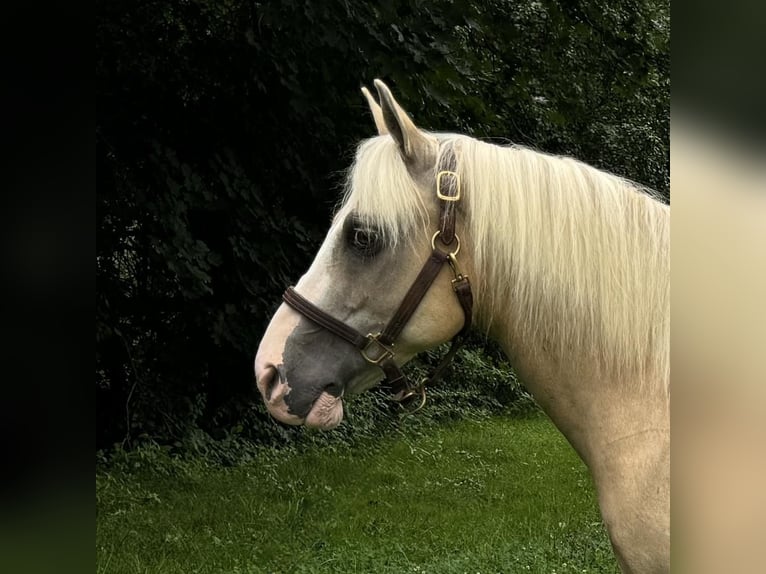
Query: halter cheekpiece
[378, 348]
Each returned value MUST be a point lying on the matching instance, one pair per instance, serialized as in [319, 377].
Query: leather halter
[378, 348]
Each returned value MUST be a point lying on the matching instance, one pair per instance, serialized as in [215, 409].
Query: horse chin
[327, 412]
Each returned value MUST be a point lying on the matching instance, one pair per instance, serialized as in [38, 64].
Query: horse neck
[592, 408]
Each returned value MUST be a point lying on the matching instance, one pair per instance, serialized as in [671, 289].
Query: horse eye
[362, 238]
[364, 241]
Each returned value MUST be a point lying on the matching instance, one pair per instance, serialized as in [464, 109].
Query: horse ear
[377, 113]
[412, 142]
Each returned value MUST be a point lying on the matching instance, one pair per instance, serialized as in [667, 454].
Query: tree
[223, 129]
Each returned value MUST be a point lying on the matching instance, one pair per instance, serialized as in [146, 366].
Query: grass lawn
[501, 495]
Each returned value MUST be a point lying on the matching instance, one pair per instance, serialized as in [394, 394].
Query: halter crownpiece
[378, 348]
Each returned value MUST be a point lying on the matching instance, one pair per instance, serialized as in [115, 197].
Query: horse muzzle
[324, 411]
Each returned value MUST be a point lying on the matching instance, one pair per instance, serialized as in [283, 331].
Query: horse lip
[326, 412]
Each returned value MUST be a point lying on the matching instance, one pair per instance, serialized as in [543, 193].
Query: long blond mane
[580, 255]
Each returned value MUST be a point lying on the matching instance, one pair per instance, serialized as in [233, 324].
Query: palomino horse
[569, 267]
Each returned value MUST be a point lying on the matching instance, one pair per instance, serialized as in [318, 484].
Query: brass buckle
[439, 193]
[386, 353]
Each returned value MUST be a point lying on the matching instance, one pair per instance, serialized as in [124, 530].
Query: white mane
[581, 255]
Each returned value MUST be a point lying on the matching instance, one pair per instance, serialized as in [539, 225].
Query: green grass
[500, 495]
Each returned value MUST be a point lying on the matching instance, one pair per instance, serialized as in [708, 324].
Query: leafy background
[223, 131]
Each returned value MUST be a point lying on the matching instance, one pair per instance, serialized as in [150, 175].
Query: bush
[479, 384]
[222, 130]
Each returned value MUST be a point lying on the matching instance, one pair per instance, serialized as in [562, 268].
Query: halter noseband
[378, 348]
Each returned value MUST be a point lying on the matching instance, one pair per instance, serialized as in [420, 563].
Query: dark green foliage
[223, 129]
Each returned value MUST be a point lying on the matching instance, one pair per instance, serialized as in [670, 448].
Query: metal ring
[420, 393]
[437, 234]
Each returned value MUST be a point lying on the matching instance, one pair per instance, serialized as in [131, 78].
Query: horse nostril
[267, 381]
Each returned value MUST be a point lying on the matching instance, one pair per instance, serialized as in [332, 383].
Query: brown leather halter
[378, 348]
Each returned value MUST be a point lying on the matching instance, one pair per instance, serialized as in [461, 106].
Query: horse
[565, 265]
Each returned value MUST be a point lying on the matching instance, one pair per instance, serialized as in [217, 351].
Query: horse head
[368, 303]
